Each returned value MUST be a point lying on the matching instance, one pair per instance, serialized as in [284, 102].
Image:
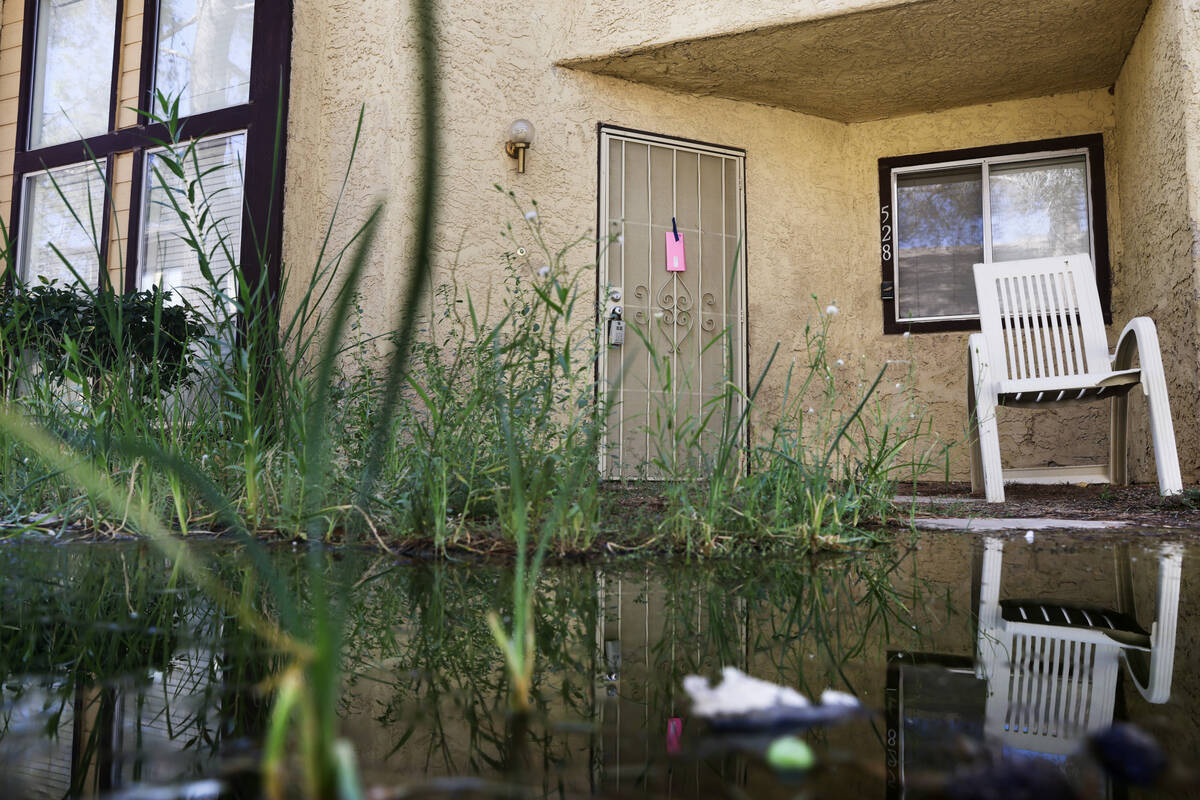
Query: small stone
[1029, 536]
[790, 753]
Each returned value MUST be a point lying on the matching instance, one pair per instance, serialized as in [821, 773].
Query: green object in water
[790, 753]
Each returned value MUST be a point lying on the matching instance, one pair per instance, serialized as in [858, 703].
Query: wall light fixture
[520, 136]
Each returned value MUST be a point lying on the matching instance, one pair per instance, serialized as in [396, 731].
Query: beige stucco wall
[1158, 155]
[811, 183]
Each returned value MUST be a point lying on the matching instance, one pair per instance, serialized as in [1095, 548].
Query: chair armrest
[1140, 335]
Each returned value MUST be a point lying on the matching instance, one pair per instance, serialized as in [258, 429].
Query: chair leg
[981, 404]
[1118, 442]
[989, 650]
[989, 446]
[973, 434]
[1140, 332]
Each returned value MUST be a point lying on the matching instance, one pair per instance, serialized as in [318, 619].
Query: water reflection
[116, 676]
[1051, 668]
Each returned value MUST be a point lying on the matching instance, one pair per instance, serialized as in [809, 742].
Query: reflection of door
[684, 330]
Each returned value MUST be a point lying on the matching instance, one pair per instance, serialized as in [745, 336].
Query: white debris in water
[1029, 536]
[738, 693]
[832, 697]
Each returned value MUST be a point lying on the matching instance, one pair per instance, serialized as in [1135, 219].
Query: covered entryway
[684, 311]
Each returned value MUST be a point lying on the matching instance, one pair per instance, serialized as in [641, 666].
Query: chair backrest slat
[1072, 339]
[1050, 323]
[1041, 317]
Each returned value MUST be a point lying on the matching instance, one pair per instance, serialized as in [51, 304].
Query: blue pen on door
[674, 229]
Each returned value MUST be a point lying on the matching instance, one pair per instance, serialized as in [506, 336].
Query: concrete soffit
[908, 58]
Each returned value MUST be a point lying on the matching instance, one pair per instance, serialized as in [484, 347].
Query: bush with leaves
[74, 333]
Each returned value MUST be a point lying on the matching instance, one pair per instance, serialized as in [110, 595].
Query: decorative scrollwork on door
[641, 293]
[708, 319]
[675, 311]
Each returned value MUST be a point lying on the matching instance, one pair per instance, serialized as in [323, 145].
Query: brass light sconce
[520, 136]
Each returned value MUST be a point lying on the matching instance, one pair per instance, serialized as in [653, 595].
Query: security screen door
[684, 337]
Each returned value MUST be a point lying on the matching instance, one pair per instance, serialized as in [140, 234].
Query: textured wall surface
[811, 183]
[1158, 142]
[900, 59]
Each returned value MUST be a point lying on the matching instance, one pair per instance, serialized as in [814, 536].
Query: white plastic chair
[1043, 342]
[1052, 670]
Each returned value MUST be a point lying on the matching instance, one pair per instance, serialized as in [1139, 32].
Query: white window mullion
[987, 216]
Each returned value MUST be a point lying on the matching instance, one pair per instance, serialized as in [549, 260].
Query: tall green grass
[487, 429]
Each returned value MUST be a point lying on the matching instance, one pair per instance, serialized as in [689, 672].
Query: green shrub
[76, 333]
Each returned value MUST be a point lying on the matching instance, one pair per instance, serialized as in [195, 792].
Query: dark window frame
[1093, 143]
[263, 117]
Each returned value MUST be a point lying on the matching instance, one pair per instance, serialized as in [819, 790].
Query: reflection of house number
[886, 233]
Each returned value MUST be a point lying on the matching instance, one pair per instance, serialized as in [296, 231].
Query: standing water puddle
[985, 660]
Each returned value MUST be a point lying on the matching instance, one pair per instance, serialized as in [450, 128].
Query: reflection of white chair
[1052, 670]
[1043, 342]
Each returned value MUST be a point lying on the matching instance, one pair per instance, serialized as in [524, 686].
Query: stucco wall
[811, 183]
[1158, 155]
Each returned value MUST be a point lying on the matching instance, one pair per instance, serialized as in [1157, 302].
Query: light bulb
[521, 131]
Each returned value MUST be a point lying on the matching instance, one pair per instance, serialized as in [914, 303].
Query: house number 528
[885, 232]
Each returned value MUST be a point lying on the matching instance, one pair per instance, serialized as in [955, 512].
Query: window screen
[168, 258]
[204, 49]
[72, 78]
[951, 216]
[63, 216]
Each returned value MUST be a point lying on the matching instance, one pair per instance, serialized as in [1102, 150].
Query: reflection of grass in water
[420, 659]
[118, 646]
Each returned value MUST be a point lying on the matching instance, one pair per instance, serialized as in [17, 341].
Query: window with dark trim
[941, 213]
[85, 162]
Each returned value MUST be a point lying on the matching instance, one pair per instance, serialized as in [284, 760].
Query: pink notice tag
[676, 258]
[674, 729]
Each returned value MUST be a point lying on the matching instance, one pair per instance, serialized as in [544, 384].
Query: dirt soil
[1139, 505]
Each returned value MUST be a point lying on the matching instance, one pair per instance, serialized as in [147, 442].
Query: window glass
[204, 53]
[939, 236]
[1039, 209]
[170, 219]
[72, 81]
[63, 212]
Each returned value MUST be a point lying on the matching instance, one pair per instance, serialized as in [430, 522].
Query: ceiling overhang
[909, 58]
